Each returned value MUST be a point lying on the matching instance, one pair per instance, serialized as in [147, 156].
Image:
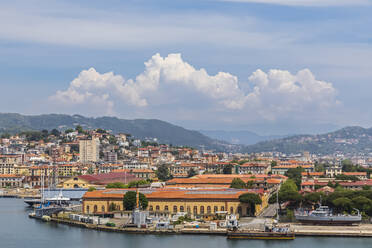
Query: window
[88, 209]
[95, 208]
[157, 208]
[166, 208]
[222, 208]
[182, 209]
[151, 208]
[195, 210]
[175, 209]
[215, 209]
[202, 210]
[103, 209]
[231, 210]
[209, 209]
[188, 209]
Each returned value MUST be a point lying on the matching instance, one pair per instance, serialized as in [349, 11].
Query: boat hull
[329, 221]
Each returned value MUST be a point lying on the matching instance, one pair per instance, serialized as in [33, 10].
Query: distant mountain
[348, 140]
[139, 128]
[239, 137]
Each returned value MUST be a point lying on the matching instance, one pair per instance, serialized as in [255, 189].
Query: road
[269, 212]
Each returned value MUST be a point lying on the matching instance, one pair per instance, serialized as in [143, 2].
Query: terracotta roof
[312, 173]
[355, 173]
[174, 193]
[111, 177]
[9, 175]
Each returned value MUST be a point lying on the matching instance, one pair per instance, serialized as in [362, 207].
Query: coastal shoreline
[300, 231]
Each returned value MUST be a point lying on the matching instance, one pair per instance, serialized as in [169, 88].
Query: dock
[363, 230]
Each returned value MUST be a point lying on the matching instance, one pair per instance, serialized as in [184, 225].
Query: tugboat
[324, 216]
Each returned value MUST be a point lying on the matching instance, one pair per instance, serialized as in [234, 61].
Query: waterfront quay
[362, 230]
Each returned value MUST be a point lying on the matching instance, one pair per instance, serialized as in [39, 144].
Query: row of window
[201, 210]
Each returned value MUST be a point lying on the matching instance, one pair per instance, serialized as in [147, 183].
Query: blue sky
[269, 66]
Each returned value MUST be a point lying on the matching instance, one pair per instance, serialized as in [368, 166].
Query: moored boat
[324, 216]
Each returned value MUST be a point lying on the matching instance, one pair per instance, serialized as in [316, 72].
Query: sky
[267, 66]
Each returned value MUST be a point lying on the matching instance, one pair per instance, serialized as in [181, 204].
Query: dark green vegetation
[295, 175]
[252, 200]
[133, 184]
[191, 173]
[166, 133]
[347, 140]
[130, 200]
[163, 173]
[238, 183]
[341, 200]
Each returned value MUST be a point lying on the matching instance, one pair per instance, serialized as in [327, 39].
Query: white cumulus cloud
[271, 95]
[279, 92]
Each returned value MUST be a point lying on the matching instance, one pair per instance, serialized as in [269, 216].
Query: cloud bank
[268, 94]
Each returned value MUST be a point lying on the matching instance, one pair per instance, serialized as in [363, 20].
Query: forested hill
[139, 128]
[348, 140]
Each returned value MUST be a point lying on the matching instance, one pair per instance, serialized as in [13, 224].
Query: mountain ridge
[347, 140]
[140, 128]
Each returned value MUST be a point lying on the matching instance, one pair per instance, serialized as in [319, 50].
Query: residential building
[89, 150]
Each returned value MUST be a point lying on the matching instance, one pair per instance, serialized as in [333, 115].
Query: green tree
[347, 177]
[252, 200]
[134, 184]
[238, 183]
[69, 131]
[250, 184]
[55, 132]
[227, 169]
[79, 129]
[313, 198]
[295, 175]
[116, 185]
[163, 173]
[343, 204]
[319, 167]
[362, 203]
[273, 163]
[288, 193]
[91, 189]
[192, 172]
[347, 165]
[129, 200]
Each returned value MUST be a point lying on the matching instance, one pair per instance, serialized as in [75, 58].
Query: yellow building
[198, 203]
[67, 169]
[76, 182]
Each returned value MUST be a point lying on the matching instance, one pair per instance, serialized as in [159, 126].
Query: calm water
[17, 230]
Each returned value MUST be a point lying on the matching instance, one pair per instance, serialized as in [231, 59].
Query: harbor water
[17, 230]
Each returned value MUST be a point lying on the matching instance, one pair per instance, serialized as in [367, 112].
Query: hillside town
[179, 184]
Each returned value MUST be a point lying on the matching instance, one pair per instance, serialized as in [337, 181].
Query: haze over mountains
[241, 137]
